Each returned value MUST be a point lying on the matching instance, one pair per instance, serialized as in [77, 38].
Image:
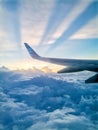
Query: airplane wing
[59, 61]
[73, 65]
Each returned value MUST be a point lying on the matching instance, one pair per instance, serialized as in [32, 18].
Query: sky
[54, 28]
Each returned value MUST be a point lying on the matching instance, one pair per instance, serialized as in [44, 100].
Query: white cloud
[47, 102]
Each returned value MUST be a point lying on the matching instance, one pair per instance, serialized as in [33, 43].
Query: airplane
[73, 65]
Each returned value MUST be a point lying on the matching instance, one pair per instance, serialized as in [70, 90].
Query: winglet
[32, 52]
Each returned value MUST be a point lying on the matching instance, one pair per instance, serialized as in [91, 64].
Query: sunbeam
[88, 14]
[11, 22]
[60, 11]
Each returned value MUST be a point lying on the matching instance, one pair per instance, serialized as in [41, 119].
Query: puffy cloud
[47, 102]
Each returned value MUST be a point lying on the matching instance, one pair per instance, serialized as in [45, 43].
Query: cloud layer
[52, 102]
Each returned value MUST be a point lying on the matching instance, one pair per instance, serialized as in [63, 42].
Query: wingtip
[31, 52]
[25, 44]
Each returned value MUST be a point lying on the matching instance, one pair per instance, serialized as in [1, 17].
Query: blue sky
[56, 28]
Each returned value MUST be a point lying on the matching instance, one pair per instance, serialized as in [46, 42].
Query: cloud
[47, 102]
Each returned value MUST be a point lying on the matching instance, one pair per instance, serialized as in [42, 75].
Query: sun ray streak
[11, 22]
[60, 11]
[88, 14]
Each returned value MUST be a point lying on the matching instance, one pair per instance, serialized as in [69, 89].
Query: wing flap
[93, 79]
[70, 70]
